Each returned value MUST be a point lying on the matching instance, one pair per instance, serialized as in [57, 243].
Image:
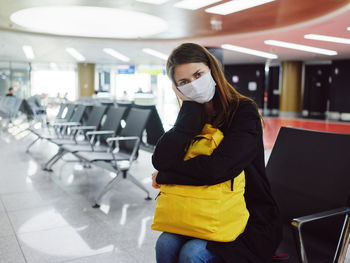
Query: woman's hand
[179, 94]
[154, 182]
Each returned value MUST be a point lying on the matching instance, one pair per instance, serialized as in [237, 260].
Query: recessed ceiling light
[28, 52]
[301, 47]
[235, 6]
[155, 53]
[88, 21]
[53, 66]
[328, 38]
[116, 54]
[75, 54]
[249, 51]
[155, 2]
[348, 28]
[195, 4]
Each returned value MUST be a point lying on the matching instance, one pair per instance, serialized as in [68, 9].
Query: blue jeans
[173, 248]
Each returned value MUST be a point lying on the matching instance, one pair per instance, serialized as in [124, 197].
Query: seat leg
[340, 253]
[108, 187]
[299, 242]
[32, 143]
[48, 165]
[140, 185]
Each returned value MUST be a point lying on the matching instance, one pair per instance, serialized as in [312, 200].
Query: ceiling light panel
[28, 52]
[301, 47]
[53, 66]
[195, 4]
[249, 51]
[88, 21]
[75, 54]
[154, 2]
[155, 53]
[116, 54]
[235, 6]
[339, 40]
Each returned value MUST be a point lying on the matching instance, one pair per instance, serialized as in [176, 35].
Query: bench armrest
[125, 138]
[343, 243]
[299, 221]
[66, 124]
[99, 133]
[84, 128]
[92, 134]
[121, 138]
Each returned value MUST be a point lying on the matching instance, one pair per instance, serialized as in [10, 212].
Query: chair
[65, 113]
[48, 132]
[119, 159]
[95, 140]
[93, 121]
[92, 124]
[62, 128]
[154, 127]
[10, 107]
[309, 176]
[61, 110]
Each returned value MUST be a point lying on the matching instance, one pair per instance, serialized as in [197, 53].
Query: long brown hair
[226, 98]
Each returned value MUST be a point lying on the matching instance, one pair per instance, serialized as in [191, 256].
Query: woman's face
[186, 73]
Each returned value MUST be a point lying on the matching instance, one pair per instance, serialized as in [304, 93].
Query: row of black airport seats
[11, 107]
[106, 136]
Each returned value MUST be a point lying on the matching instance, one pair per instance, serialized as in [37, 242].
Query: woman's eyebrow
[196, 71]
[192, 74]
[181, 80]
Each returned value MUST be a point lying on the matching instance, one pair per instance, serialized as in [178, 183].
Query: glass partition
[16, 75]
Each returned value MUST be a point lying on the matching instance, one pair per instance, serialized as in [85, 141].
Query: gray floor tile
[75, 212]
[34, 199]
[117, 256]
[37, 219]
[145, 254]
[5, 225]
[10, 251]
[62, 244]
[2, 208]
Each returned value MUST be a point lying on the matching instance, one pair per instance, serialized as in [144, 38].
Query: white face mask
[200, 90]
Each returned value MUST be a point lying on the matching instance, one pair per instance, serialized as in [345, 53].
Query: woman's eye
[198, 74]
[183, 82]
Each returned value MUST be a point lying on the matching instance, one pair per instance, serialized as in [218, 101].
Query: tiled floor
[47, 217]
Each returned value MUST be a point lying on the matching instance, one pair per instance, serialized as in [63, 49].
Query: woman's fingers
[154, 180]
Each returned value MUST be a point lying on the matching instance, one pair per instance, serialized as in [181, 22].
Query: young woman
[207, 97]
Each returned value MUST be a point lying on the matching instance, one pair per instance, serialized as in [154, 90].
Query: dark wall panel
[273, 97]
[249, 80]
[316, 89]
[340, 86]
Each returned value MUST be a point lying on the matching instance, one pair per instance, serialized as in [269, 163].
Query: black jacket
[241, 149]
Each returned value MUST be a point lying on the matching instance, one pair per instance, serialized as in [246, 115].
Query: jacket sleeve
[236, 151]
[170, 148]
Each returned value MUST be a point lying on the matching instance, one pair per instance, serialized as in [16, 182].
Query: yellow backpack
[215, 212]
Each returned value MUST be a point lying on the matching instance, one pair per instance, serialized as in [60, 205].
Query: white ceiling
[50, 48]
